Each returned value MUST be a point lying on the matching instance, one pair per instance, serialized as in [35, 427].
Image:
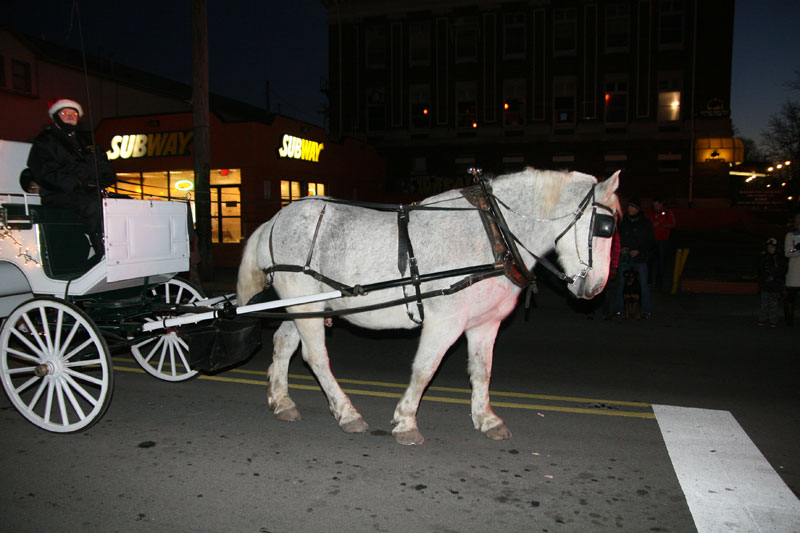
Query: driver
[69, 170]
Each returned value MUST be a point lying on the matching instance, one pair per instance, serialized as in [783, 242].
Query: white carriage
[64, 309]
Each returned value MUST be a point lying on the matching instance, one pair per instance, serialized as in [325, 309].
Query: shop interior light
[675, 104]
[769, 185]
[783, 184]
[779, 165]
[474, 124]
[787, 163]
[425, 111]
[770, 169]
[505, 105]
[184, 185]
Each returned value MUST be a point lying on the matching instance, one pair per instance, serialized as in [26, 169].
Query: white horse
[354, 245]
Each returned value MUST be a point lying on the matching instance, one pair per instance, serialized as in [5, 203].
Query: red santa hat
[57, 104]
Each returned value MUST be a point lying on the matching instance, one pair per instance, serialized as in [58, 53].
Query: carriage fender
[14, 288]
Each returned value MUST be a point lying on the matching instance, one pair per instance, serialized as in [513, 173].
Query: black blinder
[604, 225]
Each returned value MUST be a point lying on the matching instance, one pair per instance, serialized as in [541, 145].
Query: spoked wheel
[55, 365]
[165, 355]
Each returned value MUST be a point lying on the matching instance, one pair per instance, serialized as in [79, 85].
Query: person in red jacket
[613, 278]
[663, 221]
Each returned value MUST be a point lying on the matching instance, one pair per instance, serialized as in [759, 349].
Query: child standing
[771, 274]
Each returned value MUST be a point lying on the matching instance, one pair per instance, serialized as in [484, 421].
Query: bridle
[601, 225]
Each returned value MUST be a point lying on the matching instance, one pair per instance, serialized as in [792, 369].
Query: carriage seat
[63, 244]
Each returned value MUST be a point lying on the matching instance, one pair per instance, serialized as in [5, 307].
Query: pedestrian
[791, 249]
[771, 277]
[636, 239]
[70, 170]
[663, 220]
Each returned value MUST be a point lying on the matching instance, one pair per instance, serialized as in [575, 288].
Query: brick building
[590, 85]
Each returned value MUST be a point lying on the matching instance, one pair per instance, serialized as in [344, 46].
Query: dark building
[594, 86]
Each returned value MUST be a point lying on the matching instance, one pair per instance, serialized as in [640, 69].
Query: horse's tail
[251, 279]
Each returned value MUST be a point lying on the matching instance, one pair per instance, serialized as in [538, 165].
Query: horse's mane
[549, 184]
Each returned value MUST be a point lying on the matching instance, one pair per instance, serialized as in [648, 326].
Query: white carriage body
[146, 242]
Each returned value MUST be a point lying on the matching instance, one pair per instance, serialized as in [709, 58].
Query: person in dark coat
[771, 277]
[70, 171]
[637, 241]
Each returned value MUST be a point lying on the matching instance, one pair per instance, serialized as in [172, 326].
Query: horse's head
[584, 245]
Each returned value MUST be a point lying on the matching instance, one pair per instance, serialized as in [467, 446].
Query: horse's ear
[610, 185]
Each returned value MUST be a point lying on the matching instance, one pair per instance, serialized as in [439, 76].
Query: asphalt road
[586, 454]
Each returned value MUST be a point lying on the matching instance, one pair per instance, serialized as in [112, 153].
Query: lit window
[669, 96]
[294, 190]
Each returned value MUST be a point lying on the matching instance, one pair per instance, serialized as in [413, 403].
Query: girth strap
[405, 257]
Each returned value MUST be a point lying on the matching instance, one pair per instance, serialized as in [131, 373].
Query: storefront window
[293, 190]
[226, 218]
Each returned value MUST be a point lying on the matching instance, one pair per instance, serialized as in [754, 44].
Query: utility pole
[202, 142]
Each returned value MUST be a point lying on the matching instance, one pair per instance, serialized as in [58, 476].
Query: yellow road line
[441, 399]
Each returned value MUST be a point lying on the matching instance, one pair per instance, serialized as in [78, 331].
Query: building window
[466, 105]
[420, 106]
[294, 190]
[617, 27]
[419, 43]
[21, 76]
[616, 100]
[226, 216]
[466, 39]
[514, 36]
[376, 109]
[670, 23]
[669, 97]
[564, 31]
[564, 100]
[513, 103]
[375, 44]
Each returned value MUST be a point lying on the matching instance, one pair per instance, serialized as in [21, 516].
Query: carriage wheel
[55, 365]
[166, 355]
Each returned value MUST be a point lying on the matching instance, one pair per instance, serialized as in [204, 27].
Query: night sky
[285, 42]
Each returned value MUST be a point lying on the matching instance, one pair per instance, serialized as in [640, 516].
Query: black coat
[771, 272]
[63, 163]
[636, 233]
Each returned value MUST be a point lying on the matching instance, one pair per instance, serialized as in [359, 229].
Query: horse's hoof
[500, 432]
[412, 437]
[357, 425]
[288, 415]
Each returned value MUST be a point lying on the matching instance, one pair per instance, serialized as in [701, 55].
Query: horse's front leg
[480, 345]
[433, 343]
[312, 333]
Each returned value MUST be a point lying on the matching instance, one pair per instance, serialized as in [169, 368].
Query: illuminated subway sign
[297, 148]
[164, 144]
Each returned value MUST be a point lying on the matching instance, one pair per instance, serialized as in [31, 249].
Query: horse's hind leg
[312, 333]
[285, 343]
[480, 345]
